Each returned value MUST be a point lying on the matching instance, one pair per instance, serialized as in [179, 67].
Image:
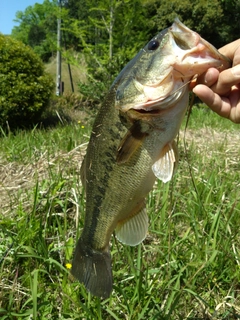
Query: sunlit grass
[32, 145]
[203, 117]
[187, 268]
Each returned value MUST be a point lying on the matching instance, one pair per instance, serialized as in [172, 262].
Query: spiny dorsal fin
[133, 231]
[130, 143]
[165, 166]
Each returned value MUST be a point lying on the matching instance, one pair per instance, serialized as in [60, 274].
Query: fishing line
[184, 142]
[189, 110]
[185, 84]
[186, 151]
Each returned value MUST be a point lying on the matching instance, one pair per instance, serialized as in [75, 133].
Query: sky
[8, 9]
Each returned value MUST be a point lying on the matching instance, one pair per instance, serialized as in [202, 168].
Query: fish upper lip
[202, 47]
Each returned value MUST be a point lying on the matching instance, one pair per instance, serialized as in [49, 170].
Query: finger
[236, 59]
[230, 49]
[218, 104]
[226, 80]
[209, 77]
[204, 93]
[235, 104]
[227, 108]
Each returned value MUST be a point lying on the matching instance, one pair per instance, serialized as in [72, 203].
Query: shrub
[101, 72]
[25, 88]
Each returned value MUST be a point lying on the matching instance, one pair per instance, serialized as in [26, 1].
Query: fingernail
[208, 77]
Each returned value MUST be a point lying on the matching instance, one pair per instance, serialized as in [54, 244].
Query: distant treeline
[110, 32]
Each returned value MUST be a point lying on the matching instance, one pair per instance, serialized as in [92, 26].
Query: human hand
[221, 90]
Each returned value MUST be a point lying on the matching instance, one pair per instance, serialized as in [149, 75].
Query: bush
[101, 72]
[25, 88]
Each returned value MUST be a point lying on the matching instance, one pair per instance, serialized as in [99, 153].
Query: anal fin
[133, 230]
[165, 166]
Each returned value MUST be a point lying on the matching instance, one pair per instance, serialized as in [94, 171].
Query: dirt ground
[18, 179]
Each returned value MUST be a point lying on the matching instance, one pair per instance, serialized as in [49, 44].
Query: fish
[132, 144]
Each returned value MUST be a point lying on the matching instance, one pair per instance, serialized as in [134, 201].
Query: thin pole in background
[59, 69]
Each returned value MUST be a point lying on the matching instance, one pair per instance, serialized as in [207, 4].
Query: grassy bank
[187, 268]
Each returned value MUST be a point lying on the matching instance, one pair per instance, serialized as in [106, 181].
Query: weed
[188, 267]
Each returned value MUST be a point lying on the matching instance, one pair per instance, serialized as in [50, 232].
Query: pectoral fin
[165, 166]
[133, 231]
[131, 142]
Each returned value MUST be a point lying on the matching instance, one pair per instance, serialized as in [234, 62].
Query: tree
[217, 20]
[38, 27]
[229, 26]
[110, 32]
[109, 35]
[25, 86]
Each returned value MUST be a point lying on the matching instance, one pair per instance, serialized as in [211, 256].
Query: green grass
[77, 67]
[203, 117]
[187, 268]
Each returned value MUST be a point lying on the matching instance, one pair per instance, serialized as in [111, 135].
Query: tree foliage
[25, 87]
[109, 35]
[217, 20]
[110, 32]
[37, 27]
[109, 25]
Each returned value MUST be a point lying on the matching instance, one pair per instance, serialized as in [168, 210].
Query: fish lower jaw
[155, 108]
[150, 112]
[142, 114]
[148, 115]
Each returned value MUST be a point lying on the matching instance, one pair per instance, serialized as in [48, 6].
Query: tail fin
[93, 269]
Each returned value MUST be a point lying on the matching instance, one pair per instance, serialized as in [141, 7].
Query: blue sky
[8, 9]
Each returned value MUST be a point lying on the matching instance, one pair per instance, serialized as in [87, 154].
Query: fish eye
[153, 45]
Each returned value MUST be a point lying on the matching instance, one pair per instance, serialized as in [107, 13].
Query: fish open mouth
[142, 111]
[156, 107]
[147, 111]
[161, 77]
[138, 114]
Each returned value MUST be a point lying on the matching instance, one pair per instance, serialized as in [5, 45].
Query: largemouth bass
[132, 144]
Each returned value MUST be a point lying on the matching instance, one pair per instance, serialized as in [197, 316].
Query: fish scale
[132, 144]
